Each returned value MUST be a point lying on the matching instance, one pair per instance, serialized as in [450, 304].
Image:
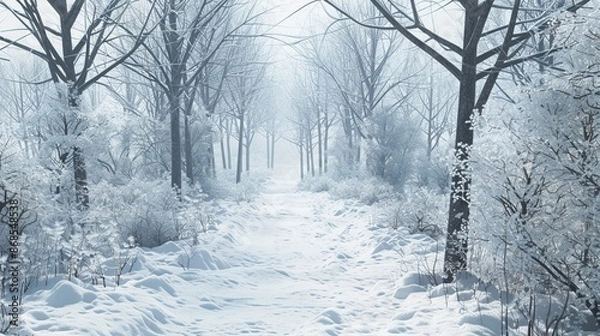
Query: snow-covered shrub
[22, 183]
[433, 173]
[390, 146]
[144, 210]
[342, 162]
[368, 190]
[194, 218]
[316, 183]
[537, 188]
[224, 187]
[361, 186]
[420, 210]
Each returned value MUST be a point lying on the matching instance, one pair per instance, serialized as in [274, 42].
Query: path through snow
[289, 263]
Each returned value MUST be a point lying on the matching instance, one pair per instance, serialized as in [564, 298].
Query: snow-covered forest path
[303, 271]
[287, 263]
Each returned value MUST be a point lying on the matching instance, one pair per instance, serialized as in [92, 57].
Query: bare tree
[73, 54]
[20, 100]
[271, 127]
[434, 104]
[176, 59]
[357, 64]
[243, 91]
[478, 59]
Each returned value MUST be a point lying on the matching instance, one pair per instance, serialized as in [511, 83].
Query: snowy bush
[433, 173]
[144, 210]
[368, 190]
[420, 210]
[225, 187]
[195, 218]
[536, 193]
[391, 143]
[316, 183]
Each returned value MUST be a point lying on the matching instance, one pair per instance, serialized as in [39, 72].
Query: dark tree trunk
[175, 144]
[189, 171]
[80, 174]
[173, 43]
[347, 125]
[455, 257]
[82, 197]
[248, 154]
[240, 153]
[223, 155]
[358, 148]
[213, 159]
[228, 142]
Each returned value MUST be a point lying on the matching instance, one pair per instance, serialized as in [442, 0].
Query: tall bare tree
[487, 48]
[357, 63]
[73, 51]
[176, 59]
[243, 89]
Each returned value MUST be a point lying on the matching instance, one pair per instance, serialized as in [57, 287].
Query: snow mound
[413, 278]
[167, 248]
[154, 282]
[403, 292]
[388, 243]
[64, 293]
[484, 320]
[89, 297]
[441, 291]
[203, 260]
[445, 308]
[383, 246]
[329, 316]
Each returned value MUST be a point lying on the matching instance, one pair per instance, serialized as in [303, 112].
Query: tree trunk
[248, 154]
[175, 144]
[455, 257]
[223, 156]
[189, 172]
[228, 142]
[320, 140]
[307, 156]
[240, 153]
[80, 175]
[268, 142]
[350, 149]
[312, 157]
[347, 125]
[326, 144]
[358, 148]
[82, 197]
[272, 150]
[213, 159]
[300, 146]
[430, 118]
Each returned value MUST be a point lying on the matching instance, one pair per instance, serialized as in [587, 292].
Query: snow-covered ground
[289, 263]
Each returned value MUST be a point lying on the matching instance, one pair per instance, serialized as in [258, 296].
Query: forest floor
[288, 263]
